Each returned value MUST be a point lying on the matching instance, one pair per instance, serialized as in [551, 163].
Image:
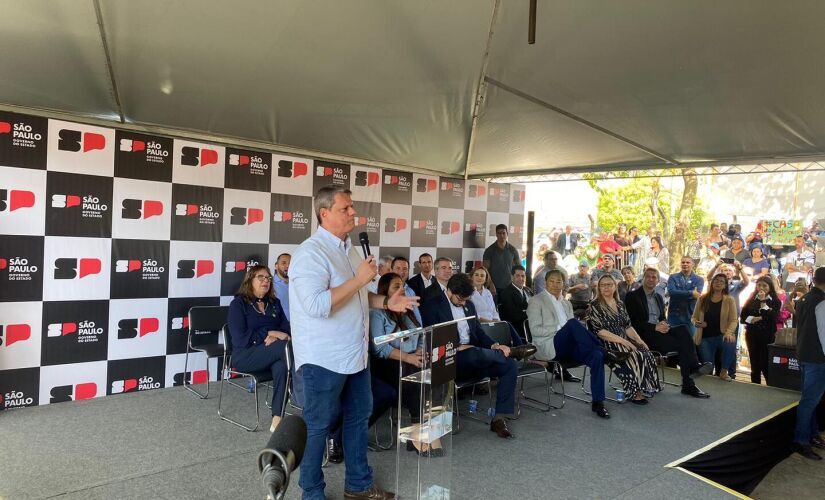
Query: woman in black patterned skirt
[608, 319]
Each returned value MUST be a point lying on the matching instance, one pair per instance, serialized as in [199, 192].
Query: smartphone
[728, 260]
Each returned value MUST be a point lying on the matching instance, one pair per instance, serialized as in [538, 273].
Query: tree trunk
[683, 214]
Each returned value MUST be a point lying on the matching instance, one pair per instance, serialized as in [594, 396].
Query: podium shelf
[438, 426]
[422, 377]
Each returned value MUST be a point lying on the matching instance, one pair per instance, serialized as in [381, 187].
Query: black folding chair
[499, 331]
[230, 373]
[205, 324]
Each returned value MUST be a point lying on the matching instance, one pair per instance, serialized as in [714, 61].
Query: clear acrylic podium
[427, 476]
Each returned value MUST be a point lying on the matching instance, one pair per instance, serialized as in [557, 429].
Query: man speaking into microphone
[328, 305]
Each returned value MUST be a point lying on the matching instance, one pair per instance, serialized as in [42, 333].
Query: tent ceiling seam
[109, 67]
[481, 89]
[547, 105]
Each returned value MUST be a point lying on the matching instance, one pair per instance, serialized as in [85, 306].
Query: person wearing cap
[737, 250]
[810, 348]
[608, 268]
[578, 285]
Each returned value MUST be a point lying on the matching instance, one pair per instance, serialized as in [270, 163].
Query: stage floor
[168, 444]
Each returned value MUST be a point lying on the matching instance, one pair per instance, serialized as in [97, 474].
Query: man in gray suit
[560, 337]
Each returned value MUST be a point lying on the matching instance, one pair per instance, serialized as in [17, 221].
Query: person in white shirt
[485, 303]
[798, 264]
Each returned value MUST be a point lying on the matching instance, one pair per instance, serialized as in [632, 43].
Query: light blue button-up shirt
[282, 292]
[336, 340]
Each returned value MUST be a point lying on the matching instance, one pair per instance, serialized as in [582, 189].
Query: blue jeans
[384, 396]
[327, 394]
[813, 387]
[709, 347]
[676, 319]
[574, 342]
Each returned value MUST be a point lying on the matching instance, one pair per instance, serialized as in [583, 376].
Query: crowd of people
[329, 303]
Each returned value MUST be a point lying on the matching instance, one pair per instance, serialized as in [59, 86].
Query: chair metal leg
[235, 422]
[378, 445]
[188, 386]
[533, 403]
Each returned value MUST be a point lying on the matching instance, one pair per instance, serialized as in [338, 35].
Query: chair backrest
[295, 388]
[498, 331]
[205, 324]
[227, 340]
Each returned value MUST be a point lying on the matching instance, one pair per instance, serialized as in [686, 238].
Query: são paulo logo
[255, 163]
[292, 169]
[22, 134]
[456, 187]
[238, 266]
[76, 392]
[76, 141]
[402, 182]
[15, 199]
[425, 185]
[204, 212]
[450, 227]
[394, 224]
[363, 178]
[149, 269]
[14, 333]
[89, 204]
[188, 269]
[198, 157]
[69, 268]
[154, 151]
[477, 191]
[131, 328]
[144, 383]
[140, 209]
[242, 216]
[18, 268]
[17, 399]
[86, 331]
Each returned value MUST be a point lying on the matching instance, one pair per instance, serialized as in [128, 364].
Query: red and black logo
[198, 157]
[193, 377]
[76, 392]
[397, 187]
[518, 195]
[291, 218]
[195, 268]
[21, 263]
[477, 191]
[74, 332]
[498, 199]
[292, 169]
[66, 268]
[451, 194]
[197, 213]
[22, 141]
[139, 269]
[240, 216]
[15, 199]
[11, 334]
[424, 232]
[248, 170]
[140, 209]
[137, 327]
[425, 185]
[76, 141]
[238, 266]
[237, 258]
[363, 178]
[180, 323]
[450, 227]
[139, 374]
[394, 224]
[140, 156]
[79, 205]
[330, 173]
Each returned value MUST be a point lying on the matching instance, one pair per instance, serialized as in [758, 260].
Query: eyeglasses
[263, 277]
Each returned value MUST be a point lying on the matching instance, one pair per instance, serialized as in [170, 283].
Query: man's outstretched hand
[399, 302]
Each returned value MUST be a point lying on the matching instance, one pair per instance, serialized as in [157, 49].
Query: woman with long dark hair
[759, 316]
[716, 321]
[661, 254]
[385, 359]
[260, 331]
[608, 319]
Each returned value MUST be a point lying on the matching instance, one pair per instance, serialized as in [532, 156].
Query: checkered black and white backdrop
[108, 237]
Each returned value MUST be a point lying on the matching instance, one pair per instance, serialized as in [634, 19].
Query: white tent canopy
[394, 82]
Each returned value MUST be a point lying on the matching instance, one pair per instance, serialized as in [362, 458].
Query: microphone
[282, 455]
[364, 238]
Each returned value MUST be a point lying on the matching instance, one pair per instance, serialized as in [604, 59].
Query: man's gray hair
[325, 198]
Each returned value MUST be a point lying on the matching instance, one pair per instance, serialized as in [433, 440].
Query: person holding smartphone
[759, 316]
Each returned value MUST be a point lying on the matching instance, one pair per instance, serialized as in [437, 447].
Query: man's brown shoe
[375, 492]
[499, 426]
[522, 351]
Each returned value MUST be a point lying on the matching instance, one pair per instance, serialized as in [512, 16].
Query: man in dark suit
[443, 273]
[424, 278]
[566, 242]
[646, 309]
[513, 299]
[478, 356]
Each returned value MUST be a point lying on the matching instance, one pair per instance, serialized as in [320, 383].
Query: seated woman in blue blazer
[260, 331]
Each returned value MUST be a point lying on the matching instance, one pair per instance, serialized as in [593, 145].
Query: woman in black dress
[759, 316]
[608, 319]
